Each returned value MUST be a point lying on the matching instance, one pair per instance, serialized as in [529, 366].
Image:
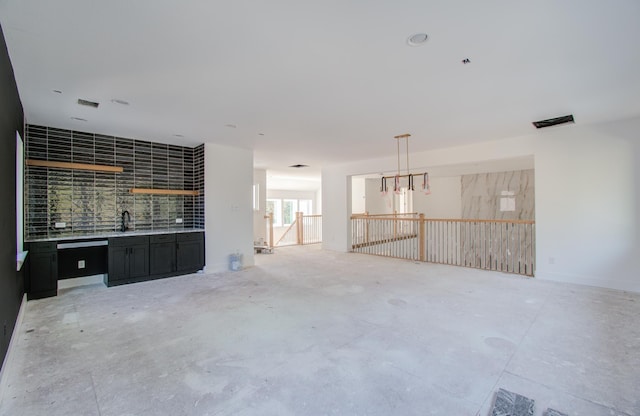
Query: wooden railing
[501, 245]
[305, 229]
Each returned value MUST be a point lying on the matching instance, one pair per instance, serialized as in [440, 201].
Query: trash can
[235, 262]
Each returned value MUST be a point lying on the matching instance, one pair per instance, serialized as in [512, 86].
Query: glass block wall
[63, 202]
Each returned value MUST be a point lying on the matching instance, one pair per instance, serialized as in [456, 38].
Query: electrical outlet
[60, 225]
[178, 220]
[81, 264]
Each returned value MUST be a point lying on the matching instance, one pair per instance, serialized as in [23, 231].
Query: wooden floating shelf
[77, 166]
[163, 191]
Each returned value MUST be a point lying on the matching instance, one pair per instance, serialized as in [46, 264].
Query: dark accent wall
[89, 202]
[11, 120]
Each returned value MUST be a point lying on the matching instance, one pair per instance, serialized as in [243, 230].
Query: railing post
[395, 223]
[421, 237]
[300, 232]
[366, 227]
[269, 218]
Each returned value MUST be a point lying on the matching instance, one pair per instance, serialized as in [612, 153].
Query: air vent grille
[554, 121]
[88, 103]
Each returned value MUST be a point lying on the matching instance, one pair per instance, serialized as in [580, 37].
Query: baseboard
[595, 281]
[6, 364]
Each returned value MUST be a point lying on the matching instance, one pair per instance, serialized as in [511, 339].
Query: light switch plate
[81, 264]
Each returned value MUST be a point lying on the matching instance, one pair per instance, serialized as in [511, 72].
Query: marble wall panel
[499, 195]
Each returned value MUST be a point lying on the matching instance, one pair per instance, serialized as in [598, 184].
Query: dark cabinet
[128, 258]
[190, 251]
[162, 253]
[43, 270]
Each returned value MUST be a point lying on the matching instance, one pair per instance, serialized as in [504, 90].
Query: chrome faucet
[124, 225]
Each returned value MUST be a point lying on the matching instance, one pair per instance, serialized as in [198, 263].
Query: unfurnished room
[320, 208]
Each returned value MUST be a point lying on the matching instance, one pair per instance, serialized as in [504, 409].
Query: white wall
[586, 213]
[318, 201]
[358, 195]
[336, 208]
[259, 222]
[587, 198]
[228, 205]
[444, 200]
[376, 203]
[287, 194]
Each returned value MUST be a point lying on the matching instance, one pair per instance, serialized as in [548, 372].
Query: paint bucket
[235, 262]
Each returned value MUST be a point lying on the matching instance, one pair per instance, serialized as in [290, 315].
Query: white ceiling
[324, 81]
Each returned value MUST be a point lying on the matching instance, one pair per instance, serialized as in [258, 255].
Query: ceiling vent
[554, 121]
[298, 166]
[88, 103]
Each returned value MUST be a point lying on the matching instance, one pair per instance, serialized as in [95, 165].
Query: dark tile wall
[198, 183]
[11, 121]
[92, 202]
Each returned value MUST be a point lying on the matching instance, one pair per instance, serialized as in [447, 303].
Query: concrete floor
[309, 332]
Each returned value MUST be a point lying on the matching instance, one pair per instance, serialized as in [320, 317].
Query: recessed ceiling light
[298, 166]
[178, 135]
[121, 102]
[57, 91]
[78, 119]
[417, 39]
[260, 134]
[231, 126]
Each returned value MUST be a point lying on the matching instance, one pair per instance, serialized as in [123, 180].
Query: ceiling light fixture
[426, 187]
[417, 39]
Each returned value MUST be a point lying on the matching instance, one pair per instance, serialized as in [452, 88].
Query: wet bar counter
[122, 257]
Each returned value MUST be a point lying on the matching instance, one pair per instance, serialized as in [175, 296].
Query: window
[274, 206]
[284, 210]
[305, 206]
[256, 197]
[289, 209]
[19, 193]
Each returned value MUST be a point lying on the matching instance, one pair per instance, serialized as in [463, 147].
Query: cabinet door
[162, 258]
[43, 274]
[118, 263]
[139, 260]
[190, 255]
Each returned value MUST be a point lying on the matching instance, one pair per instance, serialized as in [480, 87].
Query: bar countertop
[115, 234]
